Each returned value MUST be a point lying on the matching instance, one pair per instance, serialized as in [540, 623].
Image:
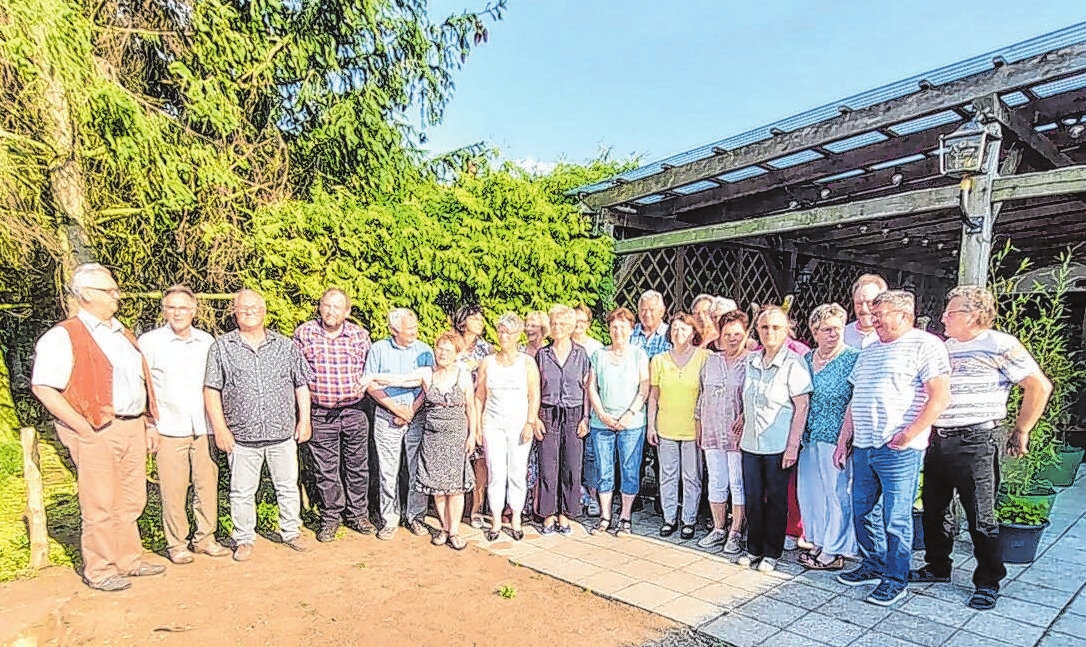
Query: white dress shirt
[177, 370]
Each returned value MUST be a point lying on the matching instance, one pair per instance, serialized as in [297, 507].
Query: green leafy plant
[1025, 513]
[1039, 317]
[507, 591]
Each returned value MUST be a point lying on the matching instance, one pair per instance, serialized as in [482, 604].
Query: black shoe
[361, 526]
[668, 529]
[925, 575]
[687, 532]
[327, 533]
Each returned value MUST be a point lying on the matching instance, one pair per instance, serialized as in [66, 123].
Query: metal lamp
[962, 152]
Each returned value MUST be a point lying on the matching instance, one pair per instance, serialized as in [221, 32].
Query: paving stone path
[1042, 604]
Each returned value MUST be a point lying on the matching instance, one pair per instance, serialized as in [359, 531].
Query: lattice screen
[743, 274]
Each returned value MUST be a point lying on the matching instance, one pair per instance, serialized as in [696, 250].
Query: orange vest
[90, 389]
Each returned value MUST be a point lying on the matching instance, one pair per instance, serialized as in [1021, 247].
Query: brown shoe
[111, 583]
[298, 543]
[243, 552]
[180, 556]
[210, 548]
[146, 568]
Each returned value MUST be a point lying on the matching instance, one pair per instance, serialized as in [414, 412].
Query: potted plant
[1034, 309]
[1021, 524]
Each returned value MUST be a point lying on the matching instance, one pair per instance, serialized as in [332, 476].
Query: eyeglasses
[947, 313]
[113, 292]
[885, 313]
[182, 309]
[249, 309]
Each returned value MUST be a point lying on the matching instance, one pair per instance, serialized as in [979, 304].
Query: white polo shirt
[53, 362]
[177, 369]
[858, 339]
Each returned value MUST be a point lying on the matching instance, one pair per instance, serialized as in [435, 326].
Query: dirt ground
[355, 591]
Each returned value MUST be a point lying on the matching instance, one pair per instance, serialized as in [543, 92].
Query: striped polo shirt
[982, 372]
[888, 386]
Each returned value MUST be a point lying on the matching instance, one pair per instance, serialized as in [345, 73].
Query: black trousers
[765, 486]
[964, 462]
[341, 451]
[560, 455]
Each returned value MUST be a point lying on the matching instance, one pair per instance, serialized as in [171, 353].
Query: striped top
[982, 372]
[888, 386]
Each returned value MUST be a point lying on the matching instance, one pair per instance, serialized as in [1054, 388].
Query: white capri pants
[725, 473]
[825, 500]
[506, 464]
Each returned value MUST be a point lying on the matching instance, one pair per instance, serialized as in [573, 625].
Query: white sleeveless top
[507, 391]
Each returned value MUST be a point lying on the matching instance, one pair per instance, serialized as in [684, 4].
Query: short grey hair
[81, 277]
[723, 305]
[237, 297]
[977, 300]
[869, 279]
[397, 316]
[559, 311]
[901, 300]
[825, 312]
[332, 291]
[509, 322]
[651, 294]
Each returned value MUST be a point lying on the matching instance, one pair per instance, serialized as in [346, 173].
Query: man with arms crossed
[177, 356]
[900, 385]
[89, 373]
[257, 398]
[963, 454]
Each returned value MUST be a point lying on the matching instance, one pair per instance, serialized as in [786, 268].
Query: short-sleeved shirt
[720, 399]
[617, 382]
[337, 362]
[888, 387]
[257, 385]
[678, 397]
[858, 339]
[563, 385]
[54, 361]
[178, 365]
[591, 346]
[830, 396]
[387, 357]
[982, 372]
[653, 344]
[768, 390]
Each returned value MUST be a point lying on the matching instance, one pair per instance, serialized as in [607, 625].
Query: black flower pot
[1019, 542]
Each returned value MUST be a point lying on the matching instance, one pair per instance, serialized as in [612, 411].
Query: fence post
[35, 499]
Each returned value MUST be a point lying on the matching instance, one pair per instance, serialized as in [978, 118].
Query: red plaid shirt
[337, 362]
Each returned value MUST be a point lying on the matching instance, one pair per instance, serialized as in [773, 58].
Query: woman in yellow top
[674, 378]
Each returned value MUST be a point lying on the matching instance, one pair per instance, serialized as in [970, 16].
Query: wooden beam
[1022, 129]
[1042, 184]
[909, 202]
[1028, 72]
[35, 499]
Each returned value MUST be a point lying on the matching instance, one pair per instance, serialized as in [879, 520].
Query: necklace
[823, 358]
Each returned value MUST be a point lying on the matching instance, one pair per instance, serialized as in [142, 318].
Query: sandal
[625, 527]
[984, 599]
[668, 529]
[477, 521]
[491, 535]
[457, 542]
[440, 538]
[813, 563]
[517, 535]
[926, 576]
[687, 532]
[601, 527]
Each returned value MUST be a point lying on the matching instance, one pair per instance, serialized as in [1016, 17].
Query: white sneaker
[790, 542]
[715, 538]
[733, 545]
[744, 560]
[803, 544]
[767, 565]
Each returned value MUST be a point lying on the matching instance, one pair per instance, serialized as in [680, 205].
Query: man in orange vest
[90, 374]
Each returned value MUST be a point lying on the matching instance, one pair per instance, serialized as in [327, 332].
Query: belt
[944, 432]
[128, 417]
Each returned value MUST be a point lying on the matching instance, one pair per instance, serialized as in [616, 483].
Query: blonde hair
[978, 301]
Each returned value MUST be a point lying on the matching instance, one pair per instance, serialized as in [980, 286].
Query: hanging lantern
[962, 152]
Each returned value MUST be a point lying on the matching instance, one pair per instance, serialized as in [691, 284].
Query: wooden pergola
[856, 186]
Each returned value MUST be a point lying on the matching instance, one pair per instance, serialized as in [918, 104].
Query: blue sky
[559, 80]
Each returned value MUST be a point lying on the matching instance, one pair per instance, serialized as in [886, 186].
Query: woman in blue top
[824, 490]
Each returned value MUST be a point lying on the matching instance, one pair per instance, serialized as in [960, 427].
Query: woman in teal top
[824, 489]
[618, 386]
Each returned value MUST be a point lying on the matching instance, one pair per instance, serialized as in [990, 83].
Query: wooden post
[35, 499]
[679, 305]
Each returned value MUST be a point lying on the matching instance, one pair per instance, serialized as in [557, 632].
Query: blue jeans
[628, 444]
[884, 533]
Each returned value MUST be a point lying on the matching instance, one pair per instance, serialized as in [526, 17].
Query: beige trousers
[182, 461]
[111, 470]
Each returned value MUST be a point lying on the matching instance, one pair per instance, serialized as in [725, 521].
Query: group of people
[814, 449]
